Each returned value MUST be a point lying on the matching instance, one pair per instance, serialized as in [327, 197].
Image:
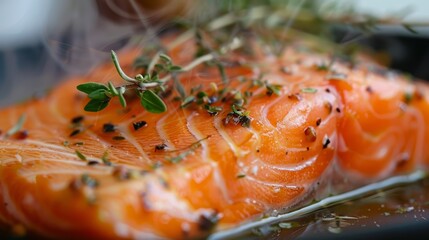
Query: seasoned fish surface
[128, 173]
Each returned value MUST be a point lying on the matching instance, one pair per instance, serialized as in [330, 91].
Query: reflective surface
[398, 212]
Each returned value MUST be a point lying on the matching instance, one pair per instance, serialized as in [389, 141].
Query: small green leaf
[17, 126]
[113, 89]
[273, 89]
[188, 100]
[175, 68]
[160, 67]
[141, 62]
[165, 58]
[122, 99]
[80, 156]
[90, 87]
[140, 77]
[105, 159]
[213, 110]
[99, 94]
[201, 94]
[152, 102]
[408, 97]
[239, 112]
[222, 72]
[96, 105]
[179, 87]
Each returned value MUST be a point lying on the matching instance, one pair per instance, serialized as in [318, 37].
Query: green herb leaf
[213, 110]
[122, 99]
[90, 87]
[152, 102]
[179, 157]
[165, 58]
[408, 97]
[141, 62]
[96, 105]
[222, 72]
[201, 94]
[239, 112]
[112, 89]
[80, 155]
[190, 150]
[17, 126]
[175, 68]
[105, 159]
[188, 100]
[99, 94]
[178, 86]
[308, 90]
[271, 88]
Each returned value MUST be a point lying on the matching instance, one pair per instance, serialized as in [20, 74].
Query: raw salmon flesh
[121, 173]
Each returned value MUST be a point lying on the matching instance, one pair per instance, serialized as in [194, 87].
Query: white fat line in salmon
[92, 171]
[287, 167]
[220, 182]
[272, 184]
[420, 128]
[20, 159]
[131, 139]
[198, 135]
[128, 136]
[267, 108]
[175, 206]
[238, 152]
[206, 155]
[327, 202]
[161, 132]
[29, 149]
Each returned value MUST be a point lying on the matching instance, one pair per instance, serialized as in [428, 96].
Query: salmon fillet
[127, 173]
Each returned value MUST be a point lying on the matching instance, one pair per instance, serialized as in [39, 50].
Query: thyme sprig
[186, 151]
[146, 85]
[238, 115]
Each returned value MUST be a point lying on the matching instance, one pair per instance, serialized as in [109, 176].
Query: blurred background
[42, 41]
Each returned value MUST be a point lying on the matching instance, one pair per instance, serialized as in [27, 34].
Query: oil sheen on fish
[127, 173]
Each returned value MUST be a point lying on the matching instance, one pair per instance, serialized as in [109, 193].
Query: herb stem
[190, 66]
[153, 62]
[236, 43]
[119, 69]
[198, 61]
[181, 39]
